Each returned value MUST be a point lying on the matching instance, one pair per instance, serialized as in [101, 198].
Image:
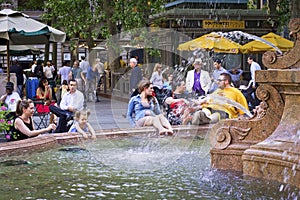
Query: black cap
[9, 85]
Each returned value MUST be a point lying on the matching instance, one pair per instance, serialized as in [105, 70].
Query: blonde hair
[156, 66]
[82, 112]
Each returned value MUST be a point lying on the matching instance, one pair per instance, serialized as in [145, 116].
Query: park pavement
[108, 114]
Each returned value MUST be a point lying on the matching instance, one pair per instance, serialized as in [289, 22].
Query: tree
[100, 18]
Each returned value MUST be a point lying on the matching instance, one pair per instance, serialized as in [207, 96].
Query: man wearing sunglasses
[212, 110]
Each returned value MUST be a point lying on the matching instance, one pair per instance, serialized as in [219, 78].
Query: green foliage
[283, 11]
[31, 5]
[5, 123]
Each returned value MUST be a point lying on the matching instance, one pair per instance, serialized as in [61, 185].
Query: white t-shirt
[84, 66]
[11, 101]
[48, 70]
[64, 72]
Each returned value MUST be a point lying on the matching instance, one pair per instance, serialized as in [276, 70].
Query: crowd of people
[190, 100]
[62, 105]
[161, 101]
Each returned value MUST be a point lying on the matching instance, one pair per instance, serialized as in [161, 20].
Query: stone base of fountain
[278, 156]
[275, 150]
[48, 141]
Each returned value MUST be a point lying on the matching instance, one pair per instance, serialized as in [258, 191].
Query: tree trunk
[54, 54]
[295, 9]
[46, 53]
[272, 6]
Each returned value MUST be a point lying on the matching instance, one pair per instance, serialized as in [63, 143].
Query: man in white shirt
[11, 98]
[48, 70]
[250, 92]
[71, 102]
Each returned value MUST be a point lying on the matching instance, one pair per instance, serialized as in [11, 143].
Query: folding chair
[41, 115]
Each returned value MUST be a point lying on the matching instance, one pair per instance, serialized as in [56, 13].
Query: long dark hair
[41, 83]
[144, 84]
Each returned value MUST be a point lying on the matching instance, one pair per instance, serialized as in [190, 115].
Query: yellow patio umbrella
[211, 41]
[257, 46]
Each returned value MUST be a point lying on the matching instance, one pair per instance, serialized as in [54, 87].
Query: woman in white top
[157, 80]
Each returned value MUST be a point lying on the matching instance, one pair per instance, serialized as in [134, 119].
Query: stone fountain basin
[47, 141]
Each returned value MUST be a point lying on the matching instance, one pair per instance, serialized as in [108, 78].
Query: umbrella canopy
[19, 28]
[212, 41]
[257, 46]
[20, 50]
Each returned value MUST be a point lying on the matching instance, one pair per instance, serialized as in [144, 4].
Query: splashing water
[221, 100]
[254, 37]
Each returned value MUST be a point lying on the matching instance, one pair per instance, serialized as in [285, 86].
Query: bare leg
[155, 121]
[166, 124]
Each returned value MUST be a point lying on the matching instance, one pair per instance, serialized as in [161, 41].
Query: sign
[229, 24]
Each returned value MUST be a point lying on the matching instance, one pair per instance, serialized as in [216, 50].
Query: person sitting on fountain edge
[226, 111]
[70, 102]
[144, 110]
[23, 125]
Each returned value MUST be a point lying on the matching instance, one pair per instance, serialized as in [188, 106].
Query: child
[64, 88]
[81, 124]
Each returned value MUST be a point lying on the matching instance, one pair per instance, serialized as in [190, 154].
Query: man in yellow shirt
[220, 101]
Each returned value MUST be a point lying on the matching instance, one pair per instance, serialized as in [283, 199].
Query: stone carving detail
[222, 137]
[291, 58]
[241, 133]
[250, 131]
[260, 111]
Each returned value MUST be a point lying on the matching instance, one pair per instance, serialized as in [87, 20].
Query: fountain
[268, 144]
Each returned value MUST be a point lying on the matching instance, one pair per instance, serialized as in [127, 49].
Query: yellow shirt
[230, 93]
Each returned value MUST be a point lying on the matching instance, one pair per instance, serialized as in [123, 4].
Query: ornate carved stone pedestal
[268, 145]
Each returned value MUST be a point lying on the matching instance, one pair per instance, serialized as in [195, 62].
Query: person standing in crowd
[84, 64]
[157, 81]
[221, 110]
[75, 73]
[23, 124]
[236, 74]
[215, 75]
[38, 69]
[135, 77]
[250, 92]
[70, 103]
[10, 99]
[90, 83]
[101, 73]
[33, 66]
[144, 110]
[17, 68]
[48, 73]
[198, 81]
[64, 72]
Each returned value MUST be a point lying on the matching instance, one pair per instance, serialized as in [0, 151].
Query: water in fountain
[238, 34]
[56, 174]
[223, 101]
